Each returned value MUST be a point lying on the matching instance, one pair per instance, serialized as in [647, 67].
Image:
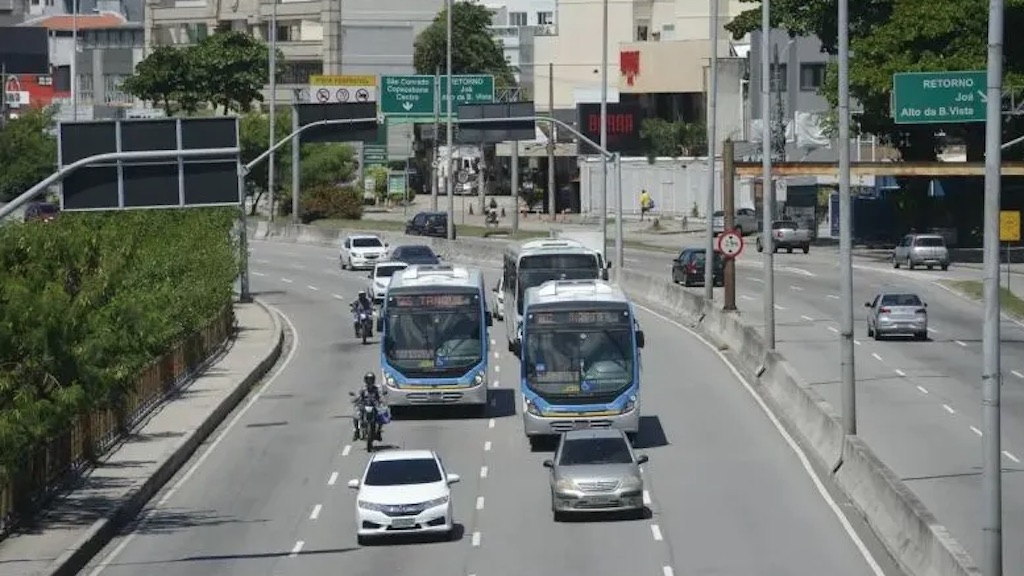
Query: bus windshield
[536, 270]
[579, 355]
[434, 336]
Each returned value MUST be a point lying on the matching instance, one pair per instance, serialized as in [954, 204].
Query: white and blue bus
[434, 342]
[580, 359]
[535, 262]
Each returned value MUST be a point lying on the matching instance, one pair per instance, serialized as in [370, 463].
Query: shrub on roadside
[88, 300]
[334, 202]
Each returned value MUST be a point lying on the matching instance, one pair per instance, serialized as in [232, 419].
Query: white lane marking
[748, 298]
[948, 408]
[876, 356]
[299, 266]
[346, 449]
[667, 571]
[1017, 374]
[805, 317]
[960, 343]
[286, 280]
[900, 373]
[758, 280]
[797, 288]
[316, 512]
[656, 532]
[647, 497]
[483, 471]
[260, 261]
[797, 271]
[857, 342]
[487, 446]
[147, 516]
[496, 355]
[333, 479]
[493, 343]
[257, 273]
[832, 296]
[922, 389]
[479, 502]
[495, 384]
[476, 539]
[777, 307]
[296, 549]
[314, 288]
[975, 430]
[338, 296]
[1011, 457]
[490, 423]
[833, 329]
[843, 520]
[933, 330]
[497, 368]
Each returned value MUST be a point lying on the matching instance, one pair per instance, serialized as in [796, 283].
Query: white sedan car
[362, 252]
[380, 278]
[404, 492]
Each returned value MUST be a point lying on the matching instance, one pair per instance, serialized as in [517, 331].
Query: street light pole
[709, 247]
[767, 189]
[273, 105]
[74, 60]
[448, 103]
[846, 354]
[602, 205]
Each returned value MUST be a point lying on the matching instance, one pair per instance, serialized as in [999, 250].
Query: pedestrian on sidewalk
[646, 204]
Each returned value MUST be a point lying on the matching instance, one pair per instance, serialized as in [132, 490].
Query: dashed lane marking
[1017, 374]
[747, 298]
[922, 389]
[797, 288]
[338, 296]
[876, 356]
[476, 539]
[833, 329]
[346, 449]
[948, 408]
[490, 423]
[296, 549]
[257, 273]
[314, 288]
[975, 430]
[1011, 457]
[960, 342]
[832, 297]
[899, 372]
[479, 502]
[333, 479]
[487, 446]
[286, 280]
[316, 512]
[667, 571]
[656, 532]
[777, 307]
[483, 471]
[647, 498]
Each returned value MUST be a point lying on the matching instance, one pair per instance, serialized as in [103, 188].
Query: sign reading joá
[623, 126]
[938, 97]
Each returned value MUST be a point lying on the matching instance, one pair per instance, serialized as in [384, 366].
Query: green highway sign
[375, 155]
[939, 97]
[414, 95]
[396, 184]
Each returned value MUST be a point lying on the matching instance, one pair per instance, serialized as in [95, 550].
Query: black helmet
[369, 378]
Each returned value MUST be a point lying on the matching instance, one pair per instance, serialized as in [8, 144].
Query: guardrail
[54, 464]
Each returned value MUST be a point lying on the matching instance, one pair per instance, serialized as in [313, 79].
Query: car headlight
[370, 506]
[632, 484]
[630, 405]
[436, 502]
[532, 408]
[389, 380]
[478, 379]
[565, 485]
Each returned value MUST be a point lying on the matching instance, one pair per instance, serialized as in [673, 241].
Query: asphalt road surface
[728, 492]
[919, 403]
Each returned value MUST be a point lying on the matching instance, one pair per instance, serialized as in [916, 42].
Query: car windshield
[787, 224]
[900, 300]
[367, 243]
[387, 271]
[536, 270]
[595, 451]
[580, 361]
[930, 241]
[402, 472]
[416, 251]
[434, 342]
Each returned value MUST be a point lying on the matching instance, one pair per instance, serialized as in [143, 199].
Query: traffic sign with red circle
[730, 243]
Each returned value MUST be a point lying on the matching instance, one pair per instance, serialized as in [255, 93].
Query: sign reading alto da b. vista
[939, 97]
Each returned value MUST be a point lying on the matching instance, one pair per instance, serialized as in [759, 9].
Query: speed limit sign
[730, 243]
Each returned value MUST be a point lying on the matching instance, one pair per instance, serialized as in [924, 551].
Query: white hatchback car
[380, 278]
[404, 492]
[362, 251]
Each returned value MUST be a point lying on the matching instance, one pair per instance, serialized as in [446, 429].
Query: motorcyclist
[492, 211]
[369, 395]
[361, 304]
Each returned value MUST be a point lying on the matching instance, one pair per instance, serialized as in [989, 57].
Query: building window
[112, 93]
[641, 33]
[299, 72]
[545, 18]
[517, 18]
[812, 76]
[778, 81]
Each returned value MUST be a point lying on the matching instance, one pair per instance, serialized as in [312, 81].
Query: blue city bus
[434, 339]
[580, 359]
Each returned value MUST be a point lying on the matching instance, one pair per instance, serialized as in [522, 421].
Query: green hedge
[87, 300]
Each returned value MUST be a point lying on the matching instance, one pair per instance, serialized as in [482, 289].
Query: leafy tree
[327, 164]
[167, 78]
[474, 49]
[28, 153]
[331, 201]
[231, 68]
[664, 138]
[254, 139]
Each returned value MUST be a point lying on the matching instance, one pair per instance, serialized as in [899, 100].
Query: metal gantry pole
[709, 244]
[296, 164]
[991, 379]
[272, 72]
[74, 60]
[847, 358]
[620, 258]
[602, 205]
[448, 107]
[437, 139]
[767, 189]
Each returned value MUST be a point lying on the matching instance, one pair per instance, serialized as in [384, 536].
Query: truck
[590, 239]
[787, 235]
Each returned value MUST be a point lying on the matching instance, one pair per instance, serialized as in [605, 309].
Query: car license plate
[581, 424]
[436, 396]
[403, 522]
[600, 500]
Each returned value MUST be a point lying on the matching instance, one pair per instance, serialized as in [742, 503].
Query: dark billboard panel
[495, 131]
[365, 131]
[623, 127]
[24, 50]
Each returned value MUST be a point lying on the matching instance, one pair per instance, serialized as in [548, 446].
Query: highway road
[919, 403]
[729, 493]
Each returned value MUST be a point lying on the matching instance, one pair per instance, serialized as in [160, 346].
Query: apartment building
[516, 24]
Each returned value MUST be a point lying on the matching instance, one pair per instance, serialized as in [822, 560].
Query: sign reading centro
[342, 89]
[414, 95]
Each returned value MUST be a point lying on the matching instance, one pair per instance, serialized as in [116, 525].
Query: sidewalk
[78, 525]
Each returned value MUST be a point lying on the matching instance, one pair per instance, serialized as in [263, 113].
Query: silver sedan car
[596, 471]
[897, 314]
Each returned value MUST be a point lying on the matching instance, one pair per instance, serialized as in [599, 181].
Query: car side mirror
[867, 304]
[488, 319]
[353, 483]
[351, 393]
[640, 339]
[642, 459]
[925, 304]
[453, 478]
[387, 244]
[548, 464]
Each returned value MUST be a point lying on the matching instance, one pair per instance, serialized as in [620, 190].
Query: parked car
[362, 251]
[745, 221]
[380, 278]
[596, 471]
[415, 254]
[921, 250]
[688, 268]
[434, 224]
[897, 313]
[787, 235]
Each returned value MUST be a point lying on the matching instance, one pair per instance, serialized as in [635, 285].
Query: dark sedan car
[688, 268]
[415, 254]
[433, 224]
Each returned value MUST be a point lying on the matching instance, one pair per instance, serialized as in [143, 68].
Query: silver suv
[921, 250]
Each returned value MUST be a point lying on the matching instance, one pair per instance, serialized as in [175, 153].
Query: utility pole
[514, 166]
[709, 244]
[552, 132]
[448, 108]
[846, 351]
[991, 379]
[437, 139]
[602, 206]
[729, 209]
[779, 118]
[296, 163]
[767, 189]
[74, 60]
[271, 164]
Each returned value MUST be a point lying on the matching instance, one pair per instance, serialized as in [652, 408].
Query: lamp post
[448, 121]
[74, 60]
[273, 105]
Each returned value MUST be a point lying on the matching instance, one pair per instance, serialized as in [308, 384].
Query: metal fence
[53, 464]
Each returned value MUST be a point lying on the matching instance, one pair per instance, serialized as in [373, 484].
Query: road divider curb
[912, 535]
[102, 531]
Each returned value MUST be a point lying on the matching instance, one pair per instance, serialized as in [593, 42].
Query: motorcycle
[363, 323]
[371, 420]
[492, 218]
